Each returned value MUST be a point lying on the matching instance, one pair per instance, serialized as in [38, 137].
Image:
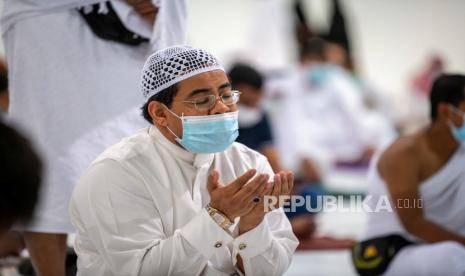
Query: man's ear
[445, 111]
[448, 114]
[158, 113]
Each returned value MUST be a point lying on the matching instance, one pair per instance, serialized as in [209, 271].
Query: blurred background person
[329, 111]
[420, 83]
[20, 180]
[423, 176]
[254, 127]
[73, 68]
[423, 80]
[4, 96]
[255, 132]
[337, 125]
[11, 242]
[328, 59]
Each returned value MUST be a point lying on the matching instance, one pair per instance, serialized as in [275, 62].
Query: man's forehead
[208, 80]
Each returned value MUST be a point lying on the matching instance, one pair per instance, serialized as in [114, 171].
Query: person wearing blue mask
[423, 175]
[180, 197]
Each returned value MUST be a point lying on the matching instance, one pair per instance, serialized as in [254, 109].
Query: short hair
[165, 97]
[447, 88]
[20, 177]
[245, 74]
[3, 82]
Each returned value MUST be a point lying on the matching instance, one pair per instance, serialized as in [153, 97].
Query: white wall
[396, 36]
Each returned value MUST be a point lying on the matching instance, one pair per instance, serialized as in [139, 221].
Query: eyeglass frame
[237, 92]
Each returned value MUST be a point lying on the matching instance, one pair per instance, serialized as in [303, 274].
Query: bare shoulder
[403, 154]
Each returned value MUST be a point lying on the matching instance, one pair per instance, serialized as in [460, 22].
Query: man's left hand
[282, 185]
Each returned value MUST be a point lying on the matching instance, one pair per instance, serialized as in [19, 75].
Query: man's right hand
[236, 199]
[144, 8]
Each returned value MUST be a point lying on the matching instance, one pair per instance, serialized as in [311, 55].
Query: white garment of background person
[72, 92]
[282, 103]
[333, 114]
[297, 135]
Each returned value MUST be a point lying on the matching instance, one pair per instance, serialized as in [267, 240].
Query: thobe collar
[195, 159]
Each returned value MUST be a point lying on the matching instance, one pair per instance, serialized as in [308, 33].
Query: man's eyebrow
[224, 85]
[207, 90]
[198, 91]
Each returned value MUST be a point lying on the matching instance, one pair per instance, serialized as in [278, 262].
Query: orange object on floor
[325, 243]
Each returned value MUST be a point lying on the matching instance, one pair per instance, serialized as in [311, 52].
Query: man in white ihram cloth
[423, 175]
[71, 91]
[180, 197]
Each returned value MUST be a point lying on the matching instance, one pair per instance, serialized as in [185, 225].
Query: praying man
[180, 197]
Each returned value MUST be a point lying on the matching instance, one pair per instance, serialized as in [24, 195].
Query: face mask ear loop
[172, 133]
[172, 112]
[180, 118]
[457, 111]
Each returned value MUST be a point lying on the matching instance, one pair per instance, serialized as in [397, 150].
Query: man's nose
[219, 107]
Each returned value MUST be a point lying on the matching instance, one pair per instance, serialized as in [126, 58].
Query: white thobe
[139, 210]
[167, 30]
[73, 93]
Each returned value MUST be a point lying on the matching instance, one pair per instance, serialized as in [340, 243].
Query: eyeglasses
[209, 101]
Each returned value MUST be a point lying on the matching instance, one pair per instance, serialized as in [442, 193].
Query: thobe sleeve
[123, 223]
[268, 248]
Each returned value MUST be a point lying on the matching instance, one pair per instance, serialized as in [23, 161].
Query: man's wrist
[219, 217]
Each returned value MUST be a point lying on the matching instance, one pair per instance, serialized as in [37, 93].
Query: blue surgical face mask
[458, 132]
[208, 134]
[319, 74]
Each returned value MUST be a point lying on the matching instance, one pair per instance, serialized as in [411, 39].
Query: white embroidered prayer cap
[174, 64]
